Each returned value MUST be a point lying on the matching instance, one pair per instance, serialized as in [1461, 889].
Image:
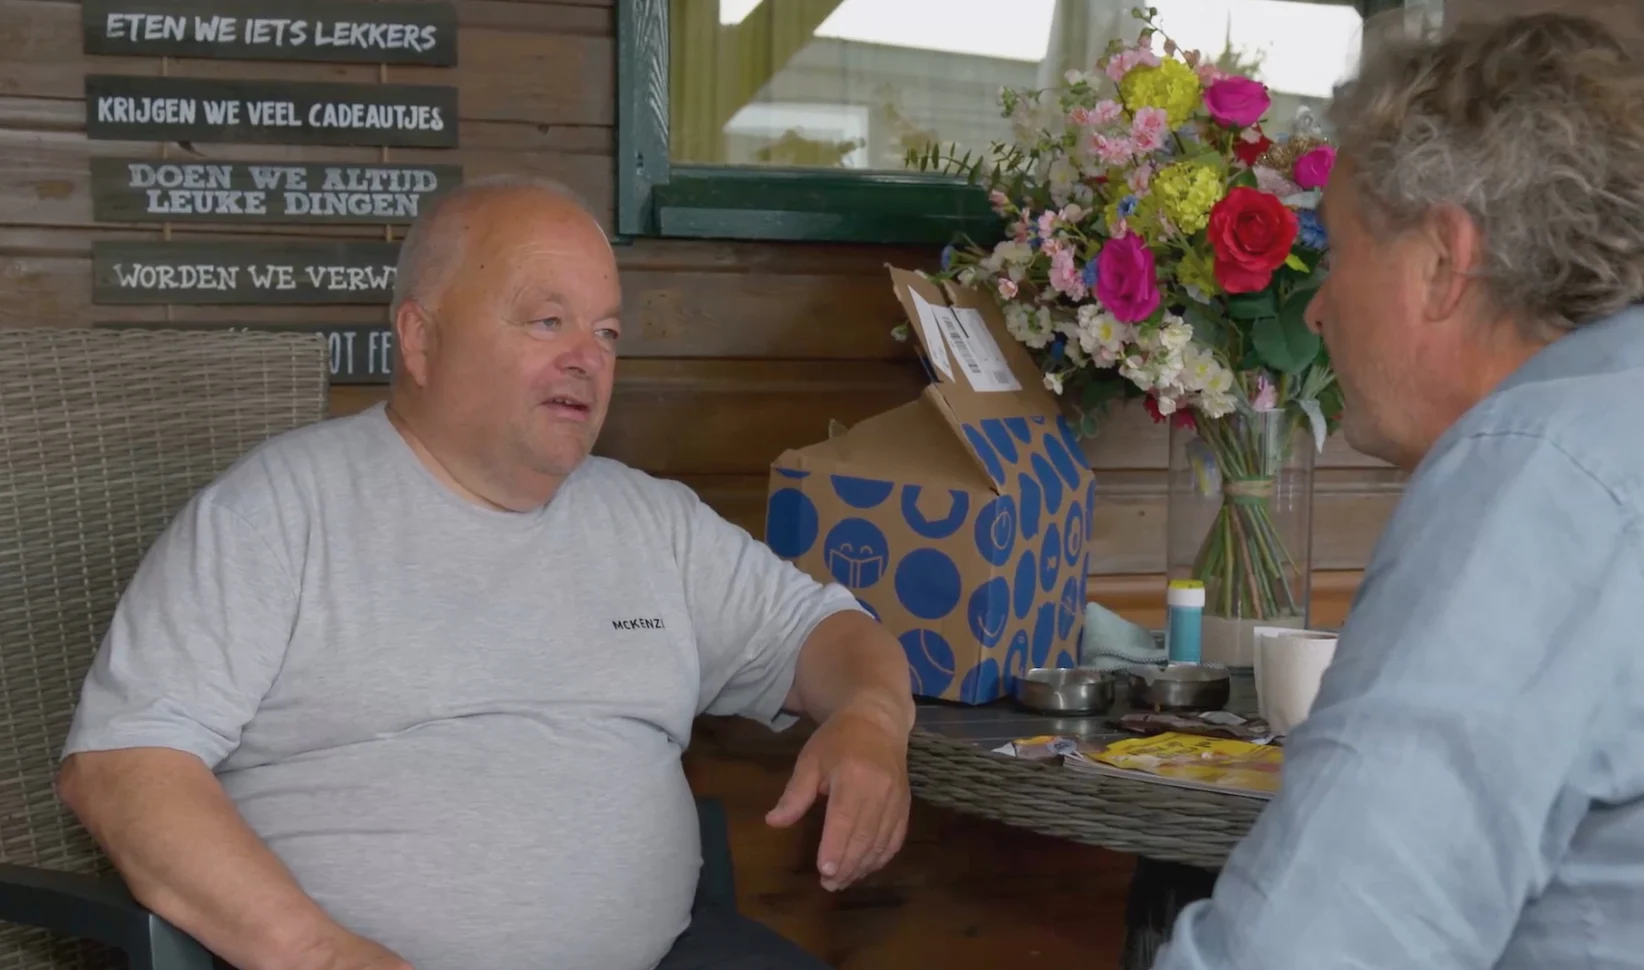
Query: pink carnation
[1007, 287]
[999, 201]
[1150, 129]
[1079, 116]
[1107, 112]
[1140, 178]
[1312, 170]
[1123, 62]
[1065, 276]
[1113, 151]
[1237, 102]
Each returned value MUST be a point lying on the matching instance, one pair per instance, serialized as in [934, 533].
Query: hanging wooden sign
[274, 30]
[160, 190]
[242, 272]
[126, 108]
[361, 353]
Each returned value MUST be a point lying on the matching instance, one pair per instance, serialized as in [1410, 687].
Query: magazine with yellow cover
[1196, 761]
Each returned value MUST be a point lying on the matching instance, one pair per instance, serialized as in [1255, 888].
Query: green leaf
[1246, 179]
[1295, 262]
[1285, 342]
[1252, 306]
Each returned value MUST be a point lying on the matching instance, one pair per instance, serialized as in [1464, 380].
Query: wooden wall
[735, 352]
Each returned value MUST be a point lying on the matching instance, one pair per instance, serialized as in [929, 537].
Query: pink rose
[1237, 102]
[1313, 169]
[1127, 281]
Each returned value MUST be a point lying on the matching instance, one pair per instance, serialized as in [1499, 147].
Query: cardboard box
[962, 519]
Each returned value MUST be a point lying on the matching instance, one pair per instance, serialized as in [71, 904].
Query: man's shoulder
[1587, 415]
[612, 481]
[290, 466]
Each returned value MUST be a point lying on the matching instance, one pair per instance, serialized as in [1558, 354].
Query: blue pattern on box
[927, 584]
[1071, 605]
[1051, 482]
[989, 611]
[856, 553]
[1016, 658]
[981, 684]
[1027, 577]
[1065, 659]
[1070, 438]
[984, 451]
[958, 511]
[792, 473]
[996, 530]
[1044, 633]
[1071, 471]
[994, 429]
[1032, 503]
[791, 523]
[1075, 532]
[1019, 428]
[930, 661]
[1050, 558]
[861, 493]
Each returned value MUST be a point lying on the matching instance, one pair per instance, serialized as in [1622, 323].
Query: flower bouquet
[1159, 242]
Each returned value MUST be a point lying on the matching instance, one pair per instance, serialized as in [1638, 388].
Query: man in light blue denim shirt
[1468, 791]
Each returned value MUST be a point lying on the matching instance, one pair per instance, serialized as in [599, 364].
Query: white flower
[1054, 383]
[1175, 334]
[1199, 368]
[1215, 405]
[1099, 331]
[1167, 404]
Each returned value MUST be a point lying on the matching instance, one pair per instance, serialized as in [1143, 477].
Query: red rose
[1251, 232]
[1250, 152]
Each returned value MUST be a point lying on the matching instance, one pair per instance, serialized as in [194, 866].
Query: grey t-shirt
[460, 728]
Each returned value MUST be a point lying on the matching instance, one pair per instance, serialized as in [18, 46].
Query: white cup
[1289, 665]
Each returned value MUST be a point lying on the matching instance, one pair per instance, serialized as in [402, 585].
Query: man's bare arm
[187, 855]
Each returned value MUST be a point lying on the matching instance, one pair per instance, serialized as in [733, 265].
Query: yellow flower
[1198, 270]
[1143, 218]
[1172, 86]
[1187, 191]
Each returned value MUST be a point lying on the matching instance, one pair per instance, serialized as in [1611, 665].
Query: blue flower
[1058, 348]
[1128, 205]
[1311, 230]
[947, 257]
[1033, 242]
[1089, 276]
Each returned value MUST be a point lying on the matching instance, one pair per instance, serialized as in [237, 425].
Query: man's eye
[546, 323]
[612, 335]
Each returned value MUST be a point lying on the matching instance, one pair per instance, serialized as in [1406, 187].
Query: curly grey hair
[1532, 125]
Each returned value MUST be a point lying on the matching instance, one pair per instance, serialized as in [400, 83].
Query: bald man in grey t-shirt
[410, 688]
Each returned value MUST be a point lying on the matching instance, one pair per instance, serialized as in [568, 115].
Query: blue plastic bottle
[1184, 616]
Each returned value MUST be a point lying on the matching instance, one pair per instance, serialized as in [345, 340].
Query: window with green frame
[815, 120]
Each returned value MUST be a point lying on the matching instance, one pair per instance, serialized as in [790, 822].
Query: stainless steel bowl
[1180, 687]
[1065, 690]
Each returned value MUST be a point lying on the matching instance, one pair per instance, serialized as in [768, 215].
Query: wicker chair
[104, 436]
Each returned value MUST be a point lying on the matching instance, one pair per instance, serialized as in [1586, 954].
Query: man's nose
[1313, 316]
[581, 354]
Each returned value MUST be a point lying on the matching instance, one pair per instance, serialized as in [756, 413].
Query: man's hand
[858, 759]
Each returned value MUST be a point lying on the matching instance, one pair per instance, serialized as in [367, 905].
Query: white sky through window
[1308, 46]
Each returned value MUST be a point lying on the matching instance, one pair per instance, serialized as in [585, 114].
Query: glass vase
[1240, 520]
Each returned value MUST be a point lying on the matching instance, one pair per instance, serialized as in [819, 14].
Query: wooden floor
[964, 894]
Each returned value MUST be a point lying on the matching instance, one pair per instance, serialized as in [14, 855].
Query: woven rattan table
[1182, 836]
[951, 764]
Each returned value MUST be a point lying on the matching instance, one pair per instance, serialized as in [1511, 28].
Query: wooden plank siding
[734, 352]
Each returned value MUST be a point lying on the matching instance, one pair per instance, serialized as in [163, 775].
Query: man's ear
[1455, 250]
[415, 339]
